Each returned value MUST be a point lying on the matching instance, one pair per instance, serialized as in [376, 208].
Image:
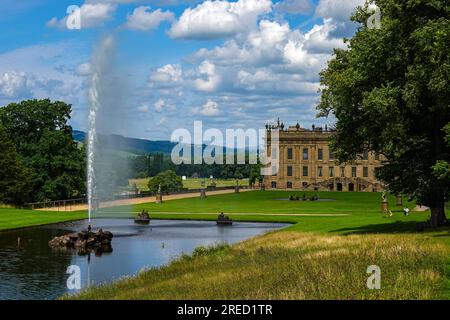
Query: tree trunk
[438, 215]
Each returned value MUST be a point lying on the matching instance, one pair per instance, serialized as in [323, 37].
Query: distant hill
[129, 145]
[133, 145]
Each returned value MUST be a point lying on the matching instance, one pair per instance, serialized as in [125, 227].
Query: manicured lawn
[17, 218]
[351, 210]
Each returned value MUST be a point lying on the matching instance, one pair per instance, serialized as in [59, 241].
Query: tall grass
[292, 265]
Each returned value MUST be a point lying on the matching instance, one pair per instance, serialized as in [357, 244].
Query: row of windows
[320, 170]
[331, 187]
[305, 152]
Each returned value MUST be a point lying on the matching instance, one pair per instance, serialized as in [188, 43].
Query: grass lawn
[18, 218]
[191, 183]
[318, 257]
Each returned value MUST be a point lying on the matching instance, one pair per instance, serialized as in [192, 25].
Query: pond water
[32, 270]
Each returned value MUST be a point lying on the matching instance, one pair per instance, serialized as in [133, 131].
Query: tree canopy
[41, 135]
[390, 93]
[168, 180]
[14, 176]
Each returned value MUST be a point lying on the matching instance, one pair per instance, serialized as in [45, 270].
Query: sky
[231, 64]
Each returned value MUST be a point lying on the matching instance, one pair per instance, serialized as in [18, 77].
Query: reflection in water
[32, 270]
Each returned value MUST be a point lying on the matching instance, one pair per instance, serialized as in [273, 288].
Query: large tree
[390, 93]
[14, 175]
[168, 180]
[42, 137]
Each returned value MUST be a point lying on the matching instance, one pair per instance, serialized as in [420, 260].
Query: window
[319, 154]
[342, 172]
[331, 172]
[365, 155]
[331, 155]
[274, 185]
[365, 172]
[305, 154]
[319, 171]
[289, 154]
[305, 171]
[289, 171]
[274, 153]
[274, 170]
[289, 185]
[353, 172]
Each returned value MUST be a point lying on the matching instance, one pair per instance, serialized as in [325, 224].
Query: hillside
[129, 145]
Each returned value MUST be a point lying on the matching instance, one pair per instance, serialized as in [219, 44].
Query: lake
[32, 270]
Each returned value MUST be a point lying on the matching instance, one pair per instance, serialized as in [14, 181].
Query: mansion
[307, 163]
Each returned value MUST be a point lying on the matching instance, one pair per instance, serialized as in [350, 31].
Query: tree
[390, 94]
[42, 137]
[14, 176]
[168, 180]
[442, 167]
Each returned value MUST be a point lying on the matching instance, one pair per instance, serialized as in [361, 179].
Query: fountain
[99, 68]
[104, 119]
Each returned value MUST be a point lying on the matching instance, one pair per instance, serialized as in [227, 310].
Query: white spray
[99, 69]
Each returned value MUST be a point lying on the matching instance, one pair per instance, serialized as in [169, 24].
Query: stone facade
[307, 163]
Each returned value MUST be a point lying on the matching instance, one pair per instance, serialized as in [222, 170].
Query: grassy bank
[324, 254]
[293, 265]
[318, 257]
[17, 218]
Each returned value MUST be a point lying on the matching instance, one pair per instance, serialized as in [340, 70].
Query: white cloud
[276, 46]
[144, 19]
[14, 84]
[162, 121]
[209, 109]
[340, 10]
[217, 19]
[168, 74]
[209, 80]
[143, 108]
[159, 105]
[83, 69]
[319, 39]
[91, 15]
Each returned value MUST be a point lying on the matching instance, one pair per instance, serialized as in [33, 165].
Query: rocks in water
[84, 241]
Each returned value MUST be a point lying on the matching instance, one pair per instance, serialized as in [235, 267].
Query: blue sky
[231, 64]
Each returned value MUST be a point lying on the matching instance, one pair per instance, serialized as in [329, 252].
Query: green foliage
[151, 164]
[442, 167]
[168, 180]
[43, 139]
[14, 181]
[390, 92]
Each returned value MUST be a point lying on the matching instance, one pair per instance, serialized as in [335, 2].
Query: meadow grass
[317, 257]
[293, 265]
